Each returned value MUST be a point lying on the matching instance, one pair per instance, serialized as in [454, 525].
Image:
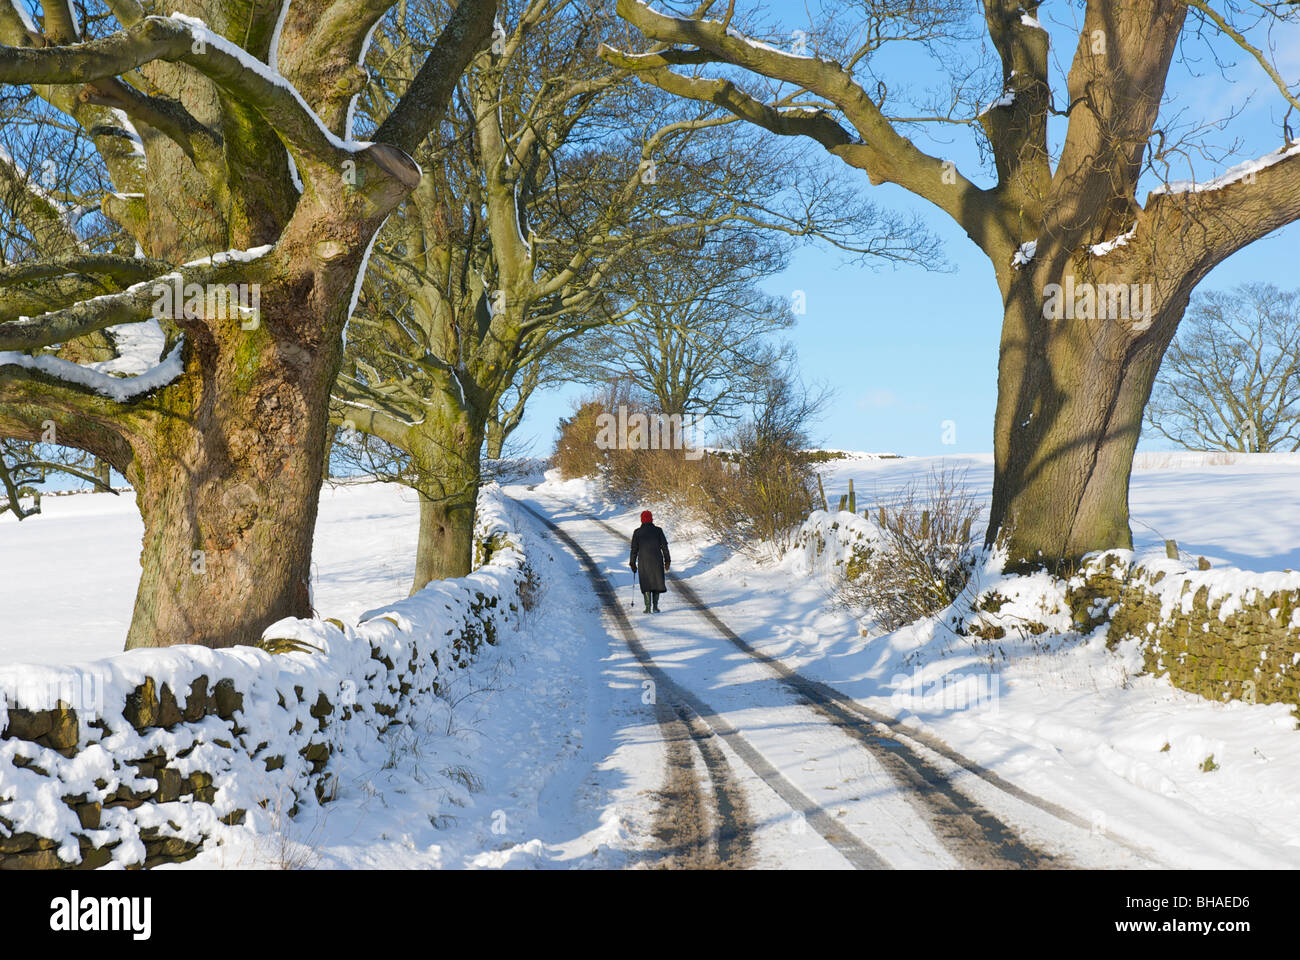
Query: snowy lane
[893, 800]
[539, 755]
[680, 710]
[692, 837]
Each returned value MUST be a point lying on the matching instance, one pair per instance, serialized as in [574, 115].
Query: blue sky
[906, 349]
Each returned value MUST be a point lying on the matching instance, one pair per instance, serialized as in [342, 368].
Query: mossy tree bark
[450, 477]
[226, 453]
[228, 478]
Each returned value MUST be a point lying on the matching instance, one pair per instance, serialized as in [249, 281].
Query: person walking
[650, 557]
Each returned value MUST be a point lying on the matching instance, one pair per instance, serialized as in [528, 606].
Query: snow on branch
[737, 35]
[111, 309]
[1242, 171]
[120, 389]
[1007, 99]
[268, 105]
[21, 10]
[132, 134]
[130, 306]
[128, 318]
[139, 349]
[232, 256]
[181, 38]
[1029, 20]
[1101, 249]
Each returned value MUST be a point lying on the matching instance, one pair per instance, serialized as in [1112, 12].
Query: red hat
[646, 516]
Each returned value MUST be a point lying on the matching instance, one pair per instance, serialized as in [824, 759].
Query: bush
[768, 488]
[758, 500]
[750, 496]
[925, 557]
[576, 453]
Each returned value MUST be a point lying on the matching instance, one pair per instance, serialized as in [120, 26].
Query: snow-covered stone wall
[1224, 634]
[141, 758]
[834, 544]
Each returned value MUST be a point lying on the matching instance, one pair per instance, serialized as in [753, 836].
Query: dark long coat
[650, 557]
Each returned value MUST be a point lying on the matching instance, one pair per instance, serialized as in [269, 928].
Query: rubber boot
[646, 597]
[655, 602]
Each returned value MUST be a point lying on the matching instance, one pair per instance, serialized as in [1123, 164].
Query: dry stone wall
[1224, 634]
[141, 758]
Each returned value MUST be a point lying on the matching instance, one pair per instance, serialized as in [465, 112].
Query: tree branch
[422, 107]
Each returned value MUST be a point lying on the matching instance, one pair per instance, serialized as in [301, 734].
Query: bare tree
[1231, 377]
[557, 170]
[699, 342]
[226, 132]
[779, 415]
[1093, 281]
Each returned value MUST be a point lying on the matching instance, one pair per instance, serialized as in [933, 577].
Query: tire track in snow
[901, 734]
[972, 833]
[693, 712]
[706, 723]
[686, 838]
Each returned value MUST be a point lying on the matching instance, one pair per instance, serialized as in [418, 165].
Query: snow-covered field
[68, 576]
[545, 755]
[1238, 509]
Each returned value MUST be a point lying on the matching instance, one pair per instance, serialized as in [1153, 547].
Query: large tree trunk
[228, 484]
[1071, 393]
[227, 547]
[446, 545]
[226, 459]
[447, 460]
